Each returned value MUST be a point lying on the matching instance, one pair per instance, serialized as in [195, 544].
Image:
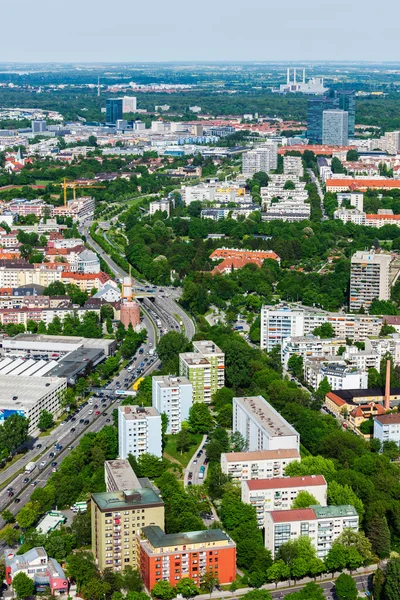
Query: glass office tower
[316, 107]
[113, 110]
[347, 102]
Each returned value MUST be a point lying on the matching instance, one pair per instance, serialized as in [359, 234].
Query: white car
[43, 463]
[90, 412]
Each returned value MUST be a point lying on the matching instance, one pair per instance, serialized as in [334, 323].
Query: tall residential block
[205, 369]
[117, 518]
[322, 524]
[347, 102]
[279, 494]
[129, 104]
[263, 158]
[369, 279]
[173, 396]
[316, 108]
[119, 476]
[114, 110]
[262, 426]
[335, 127]
[278, 323]
[258, 464]
[171, 557]
[139, 431]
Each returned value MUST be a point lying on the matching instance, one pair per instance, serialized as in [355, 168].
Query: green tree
[392, 586]
[81, 527]
[343, 494]
[183, 440]
[163, 590]
[336, 559]
[296, 366]
[200, 418]
[95, 589]
[312, 465]
[209, 581]
[45, 420]
[379, 535]
[7, 516]
[379, 585]
[169, 347]
[352, 155]
[279, 571]
[324, 331]
[258, 595]
[11, 536]
[323, 389]
[81, 568]
[303, 500]
[187, 588]
[23, 586]
[345, 588]
[28, 515]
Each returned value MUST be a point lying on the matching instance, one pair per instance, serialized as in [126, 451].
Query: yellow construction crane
[73, 185]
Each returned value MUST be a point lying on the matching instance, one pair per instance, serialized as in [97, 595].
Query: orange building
[362, 185]
[245, 255]
[174, 556]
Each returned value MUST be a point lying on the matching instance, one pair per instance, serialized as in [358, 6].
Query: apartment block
[339, 375]
[387, 428]
[258, 464]
[262, 426]
[369, 279]
[279, 494]
[171, 557]
[293, 166]
[205, 369]
[279, 323]
[139, 431]
[350, 216]
[174, 397]
[309, 346]
[119, 476]
[263, 158]
[160, 205]
[322, 524]
[335, 127]
[117, 518]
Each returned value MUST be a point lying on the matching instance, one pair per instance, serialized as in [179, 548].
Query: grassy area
[43, 434]
[182, 458]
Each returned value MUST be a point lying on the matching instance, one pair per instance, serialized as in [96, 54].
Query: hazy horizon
[96, 31]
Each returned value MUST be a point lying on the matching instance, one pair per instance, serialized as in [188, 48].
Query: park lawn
[182, 458]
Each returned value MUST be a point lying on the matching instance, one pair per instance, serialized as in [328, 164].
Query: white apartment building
[384, 345]
[129, 104]
[289, 211]
[356, 199]
[362, 359]
[278, 323]
[259, 464]
[262, 426]
[279, 494]
[369, 279]
[309, 346]
[293, 165]
[322, 524]
[339, 375]
[263, 158]
[173, 396]
[350, 216]
[160, 205]
[387, 428]
[139, 431]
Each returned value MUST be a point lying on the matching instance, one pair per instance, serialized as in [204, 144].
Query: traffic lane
[194, 465]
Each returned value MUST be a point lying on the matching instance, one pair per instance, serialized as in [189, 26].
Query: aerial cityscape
[199, 312]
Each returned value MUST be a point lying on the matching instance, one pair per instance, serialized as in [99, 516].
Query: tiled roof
[285, 482]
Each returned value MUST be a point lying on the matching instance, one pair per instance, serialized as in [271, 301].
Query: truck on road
[30, 467]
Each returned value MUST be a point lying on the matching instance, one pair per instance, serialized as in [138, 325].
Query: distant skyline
[127, 31]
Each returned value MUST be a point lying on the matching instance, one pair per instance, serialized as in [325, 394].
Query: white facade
[293, 165]
[350, 216]
[369, 279]
[338, 374]
[279, 323]
[381, 346]
[322, 524]
[160, 205]
[335, 127]
[262, 426]
[263, 158]
[263, 464]
[174, 397]
[356, 199]
[139, 431]
[129, 104]
[309, 346]
[387, 428]
[279, 494]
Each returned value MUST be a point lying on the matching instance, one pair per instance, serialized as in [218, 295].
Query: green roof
[159, 539]
[127, 499]
[343, 510]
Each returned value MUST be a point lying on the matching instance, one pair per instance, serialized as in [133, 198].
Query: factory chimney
[294, 76]
[288, 76]
[386, 404]
[304, 75]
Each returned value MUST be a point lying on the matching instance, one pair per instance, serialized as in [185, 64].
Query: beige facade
[117, 518]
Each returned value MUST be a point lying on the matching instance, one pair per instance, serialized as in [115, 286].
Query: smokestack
[304, 75]
[288, 76]
[294, 76]
[386, 404]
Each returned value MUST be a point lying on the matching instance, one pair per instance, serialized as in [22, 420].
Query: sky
[209, 30]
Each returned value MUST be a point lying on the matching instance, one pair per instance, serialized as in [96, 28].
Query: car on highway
[97, 412]
[195, 461]
[43, 463]
[90, 412]
[108, 420]
[26, 480]
[33, 483]
[104, 414]
[17, 500]
[86, 421]
[70, 447]
[54, 463]
[189, 482]
[51, 455]
[81, 420]
[72, 429]
[190, 476]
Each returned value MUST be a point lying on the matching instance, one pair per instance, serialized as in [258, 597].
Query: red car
[97, 412]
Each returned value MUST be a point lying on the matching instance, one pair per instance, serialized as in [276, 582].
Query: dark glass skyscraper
[347, 102]
[316, 107]
[113, 110]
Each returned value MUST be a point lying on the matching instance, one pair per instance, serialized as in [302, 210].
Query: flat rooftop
[342, 510]
[122, 474]
[137, 413]
[266, 416]
[59, 339]
[76, 361]
[159, 539]
[27, 390]
[168, 381]
[194, 359]
[127, 499]
[285, 482]
[206, 347]
[233, 457]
